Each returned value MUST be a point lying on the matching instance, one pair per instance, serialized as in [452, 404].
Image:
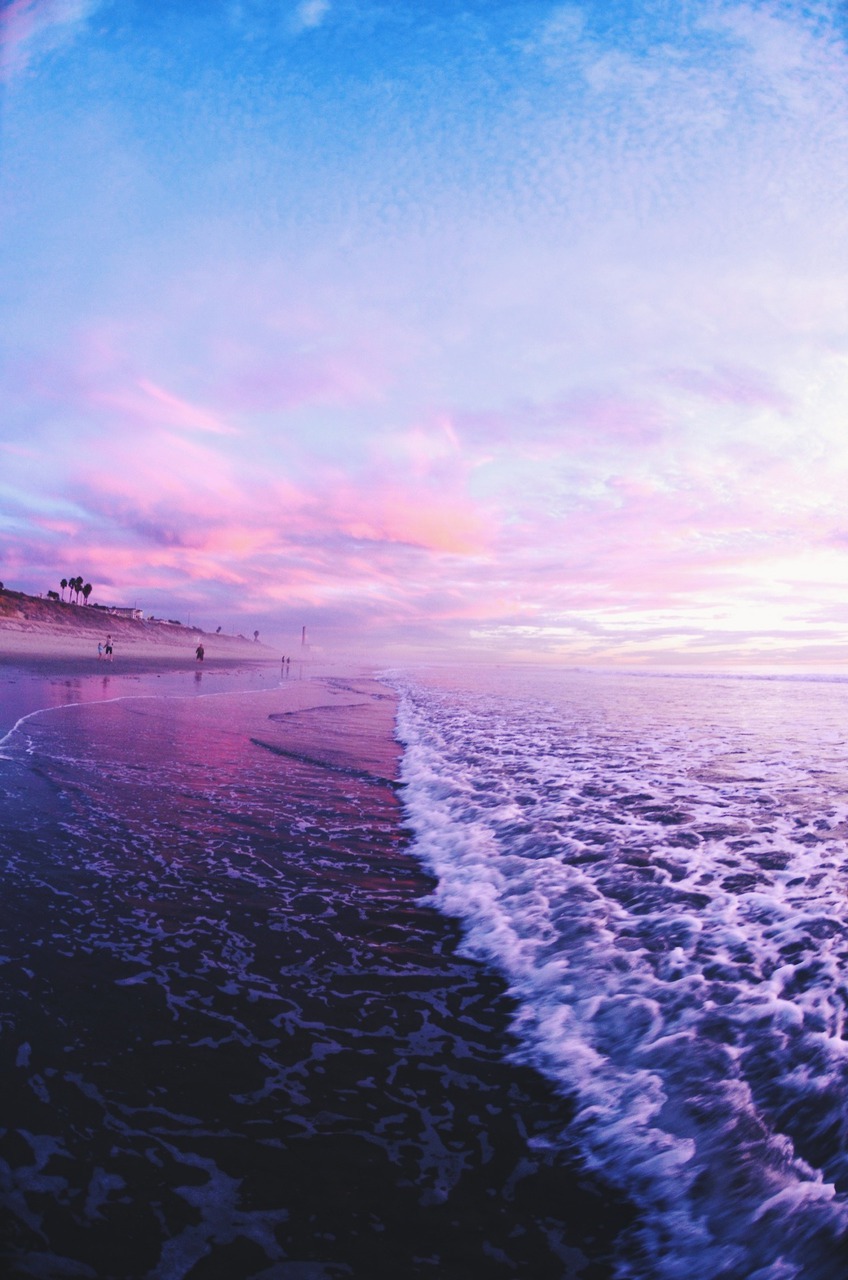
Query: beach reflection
[233, 1017]
[23, 691]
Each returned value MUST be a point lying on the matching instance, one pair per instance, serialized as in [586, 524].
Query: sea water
[234, 1038]
[218, 996]
[657, 866]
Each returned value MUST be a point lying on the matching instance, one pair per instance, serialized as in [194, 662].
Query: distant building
[124, 611]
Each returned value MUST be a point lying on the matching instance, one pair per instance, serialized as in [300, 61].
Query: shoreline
[41, 669]
[43, 683]
[235, 979]
[38, 630]
[136, 664]
[41, 645]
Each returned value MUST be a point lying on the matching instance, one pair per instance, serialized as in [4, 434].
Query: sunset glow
[476, 328]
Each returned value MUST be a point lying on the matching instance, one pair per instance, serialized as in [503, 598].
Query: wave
[660, 878]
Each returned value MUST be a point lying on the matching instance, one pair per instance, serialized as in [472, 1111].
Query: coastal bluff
[32, 624]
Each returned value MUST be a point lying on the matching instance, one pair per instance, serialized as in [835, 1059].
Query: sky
[498, 329]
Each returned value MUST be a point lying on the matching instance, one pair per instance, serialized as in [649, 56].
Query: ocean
[461, 973]
[235, 1041]
[657, 867]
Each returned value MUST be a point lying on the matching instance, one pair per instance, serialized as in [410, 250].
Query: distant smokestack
[303, 638]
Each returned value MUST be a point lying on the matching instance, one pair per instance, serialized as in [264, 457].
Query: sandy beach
[236, 1041]
[40, 633]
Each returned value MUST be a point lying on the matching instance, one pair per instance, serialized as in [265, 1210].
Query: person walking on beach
[198, 653]
[99, 651]
[108, 648]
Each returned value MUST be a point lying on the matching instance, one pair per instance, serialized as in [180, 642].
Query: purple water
[23, 692]
[657, 867]
[238, 1038]
[234, 1041]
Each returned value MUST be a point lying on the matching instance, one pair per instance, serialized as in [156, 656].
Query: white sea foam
[658, 868]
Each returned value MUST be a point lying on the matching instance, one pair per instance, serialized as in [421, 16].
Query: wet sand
[235, 1040]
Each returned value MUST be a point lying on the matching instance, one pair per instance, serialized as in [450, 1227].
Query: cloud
[434, 521]
[31, 28]
[156, 405]
[795, 58]
[733, 384]
[310, 14]
[587, 419]
[446, 332]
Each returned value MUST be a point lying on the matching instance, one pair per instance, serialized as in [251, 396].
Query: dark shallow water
[233, 1042]
[57, 683]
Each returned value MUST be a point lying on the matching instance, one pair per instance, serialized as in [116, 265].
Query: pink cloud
[18, 23]
[121, 375]
[159, 489]
[265, 381]
[586, 417]
[732, 384]
[29, 25]
[18, 450]
[516, 516]
[161, 504]
[155, 405]
[424, 448]
[445, 525]
[67, 528]
[180, 413]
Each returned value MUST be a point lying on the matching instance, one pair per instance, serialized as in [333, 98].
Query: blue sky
[503, 329]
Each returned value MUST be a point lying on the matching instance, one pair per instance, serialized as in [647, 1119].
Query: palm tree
[63, 584]
[86, 591]
[78, 586]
